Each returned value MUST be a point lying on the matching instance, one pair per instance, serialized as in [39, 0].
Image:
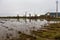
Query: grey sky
[14, 7]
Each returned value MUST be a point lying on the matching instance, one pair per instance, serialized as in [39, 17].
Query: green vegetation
[53, 19]
[51, 32]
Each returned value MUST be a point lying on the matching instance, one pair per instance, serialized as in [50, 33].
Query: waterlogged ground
[11, 28]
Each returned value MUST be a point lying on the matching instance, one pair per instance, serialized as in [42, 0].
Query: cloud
[38, 6]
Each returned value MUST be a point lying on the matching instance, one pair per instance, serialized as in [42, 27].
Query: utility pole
[56, 8]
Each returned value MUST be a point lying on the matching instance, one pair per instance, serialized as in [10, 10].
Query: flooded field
[10, 28]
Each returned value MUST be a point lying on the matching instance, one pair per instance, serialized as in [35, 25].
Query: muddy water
[9, 28]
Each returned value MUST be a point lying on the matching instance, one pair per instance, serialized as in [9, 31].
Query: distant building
[53, 14]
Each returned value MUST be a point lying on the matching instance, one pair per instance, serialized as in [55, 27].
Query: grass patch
[51, 31]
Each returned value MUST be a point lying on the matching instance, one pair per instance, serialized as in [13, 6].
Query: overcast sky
[14, 7]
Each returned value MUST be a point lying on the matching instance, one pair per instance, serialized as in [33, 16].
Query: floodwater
[54, 21]
[10, 27]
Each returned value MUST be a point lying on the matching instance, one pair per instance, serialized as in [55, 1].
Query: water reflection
[30, 20]
[25, 20]
[12, 26]
[18, 19]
